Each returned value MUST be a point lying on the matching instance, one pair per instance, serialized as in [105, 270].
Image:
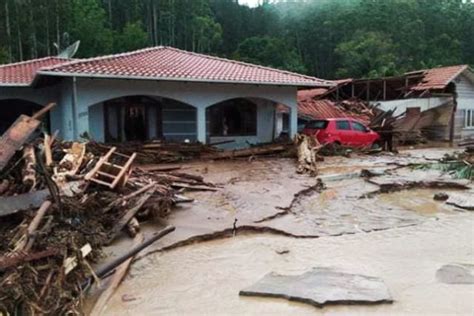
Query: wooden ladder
[111, 174]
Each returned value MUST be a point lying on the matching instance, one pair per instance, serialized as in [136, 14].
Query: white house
[158, 92]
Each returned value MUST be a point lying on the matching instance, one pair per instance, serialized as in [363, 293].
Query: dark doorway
[236, 117]
[129, 119]
[11, 109]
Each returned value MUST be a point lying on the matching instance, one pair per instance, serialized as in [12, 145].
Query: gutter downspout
[74, 108]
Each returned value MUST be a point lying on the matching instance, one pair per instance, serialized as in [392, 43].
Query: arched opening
[11, 109]
[235, 117]
[240, 122]
[141, 118]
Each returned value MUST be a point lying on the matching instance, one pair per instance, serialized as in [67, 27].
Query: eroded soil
[267, 218]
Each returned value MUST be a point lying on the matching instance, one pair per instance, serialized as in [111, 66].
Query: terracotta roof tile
[22, 73]
[167, 63]
[321, 109]
[439, 78]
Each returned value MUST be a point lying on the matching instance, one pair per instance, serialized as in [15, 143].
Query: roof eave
[104, 76]
[14, 85]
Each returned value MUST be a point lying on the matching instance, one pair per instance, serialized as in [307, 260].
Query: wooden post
[368, 91]
[385, 90]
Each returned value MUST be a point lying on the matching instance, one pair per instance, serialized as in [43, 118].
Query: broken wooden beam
[71, 262]
[26, 242]
[18, 134]
[19, 258]
[129, 214]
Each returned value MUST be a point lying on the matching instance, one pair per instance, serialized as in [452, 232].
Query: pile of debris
[60, 204]
[157, 151]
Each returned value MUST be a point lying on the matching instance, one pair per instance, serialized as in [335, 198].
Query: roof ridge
[31, 61]
[156, 48]
[246, 64]
[103, 57]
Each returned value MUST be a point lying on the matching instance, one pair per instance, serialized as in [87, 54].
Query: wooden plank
[71, 262]
[131, 213]
[30, 232]
[15, 137]
[125, 168]
[99, 164]
[105, 174]
[12, 204]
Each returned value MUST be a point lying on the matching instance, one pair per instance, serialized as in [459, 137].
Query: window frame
[468, 118]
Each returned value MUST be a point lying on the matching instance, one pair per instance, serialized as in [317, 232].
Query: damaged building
[154, 93]
[439, 102]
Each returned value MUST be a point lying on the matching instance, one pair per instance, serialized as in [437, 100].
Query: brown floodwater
[205, 279]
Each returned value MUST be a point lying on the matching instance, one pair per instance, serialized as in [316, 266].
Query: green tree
[132, 37]
[4, 56]
[367, 54]
[269, 51]
[89, 26]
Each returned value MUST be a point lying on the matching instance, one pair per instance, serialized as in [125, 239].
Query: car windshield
[320, 124]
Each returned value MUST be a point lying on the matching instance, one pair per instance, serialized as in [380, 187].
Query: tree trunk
[9, 34]
[18, 31]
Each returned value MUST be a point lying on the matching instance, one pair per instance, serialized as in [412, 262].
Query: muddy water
[416, 200]
[205, 279]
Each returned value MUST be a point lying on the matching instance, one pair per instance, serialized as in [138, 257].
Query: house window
[237, 117]
[468, 118]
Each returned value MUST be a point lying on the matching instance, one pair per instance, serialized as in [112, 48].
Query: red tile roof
[439, 78]
[23, 73]
[167, 63]
[310, 108]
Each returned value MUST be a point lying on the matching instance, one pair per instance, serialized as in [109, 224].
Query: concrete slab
[322, 286]
[456, 273]
[464, 200]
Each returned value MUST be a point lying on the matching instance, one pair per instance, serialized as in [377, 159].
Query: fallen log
[308, 148]
[193, 187]
[246, 152]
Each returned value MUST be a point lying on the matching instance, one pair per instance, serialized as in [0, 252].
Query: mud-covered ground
[267, 218]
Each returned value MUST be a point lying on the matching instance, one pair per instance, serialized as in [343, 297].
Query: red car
[342, 131]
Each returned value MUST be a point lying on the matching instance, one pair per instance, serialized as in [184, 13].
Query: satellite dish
[70, 51]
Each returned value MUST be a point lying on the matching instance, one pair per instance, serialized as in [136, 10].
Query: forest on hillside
[324, 38]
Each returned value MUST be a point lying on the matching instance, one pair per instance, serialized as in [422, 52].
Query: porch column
[201, 124]
[293, 120]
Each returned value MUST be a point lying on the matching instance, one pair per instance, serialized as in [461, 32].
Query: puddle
[417, 200]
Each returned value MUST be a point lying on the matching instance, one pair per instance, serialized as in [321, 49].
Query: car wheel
[375, 145]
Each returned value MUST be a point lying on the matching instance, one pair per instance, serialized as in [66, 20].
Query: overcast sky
[250, 3]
